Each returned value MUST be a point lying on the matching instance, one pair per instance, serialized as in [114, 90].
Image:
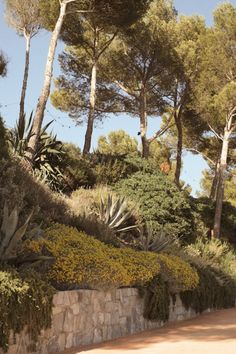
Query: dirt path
[213, 333]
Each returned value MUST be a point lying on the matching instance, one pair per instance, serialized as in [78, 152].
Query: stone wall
[87, 317]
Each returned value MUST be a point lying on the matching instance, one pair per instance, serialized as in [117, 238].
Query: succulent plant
[114, 212]
[11, 239]
[155, 241]
[10, 235]
[47, 155]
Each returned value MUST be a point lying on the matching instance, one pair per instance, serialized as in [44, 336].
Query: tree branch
[125, 89]
[200, 153]
[162, 130]
[107, 45]
[214, 132]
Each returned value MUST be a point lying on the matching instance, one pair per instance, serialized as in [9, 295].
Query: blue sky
[10, 87]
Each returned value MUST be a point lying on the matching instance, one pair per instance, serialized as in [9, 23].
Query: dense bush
[82, 261]
[160, 203]
[19, 188]
[216, 254]
[25, 300]
[178, 273]
[211, 292]
[156, 297]
[97, 168]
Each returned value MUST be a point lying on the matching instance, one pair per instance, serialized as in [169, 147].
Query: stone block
[97, 305]
[69, 341]
[68, 325]
[58, 299]
[73, 297]
[56, 310]
[76, 308]
[62, 341]
[101, 318]
[97, 336]
[107, 319]
[116, 331]
[109, 306]
[77, 339]
[58, 323]
[87, 339]
[108, 297]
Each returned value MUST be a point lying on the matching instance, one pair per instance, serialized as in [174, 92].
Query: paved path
[213, 333]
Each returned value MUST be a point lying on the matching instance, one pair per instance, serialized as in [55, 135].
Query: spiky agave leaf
[113, 212]
[8, 228]
[17, 237]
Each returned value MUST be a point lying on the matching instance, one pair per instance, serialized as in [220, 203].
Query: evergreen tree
[24, 16]
[139, 66]
[54, 15]
[117, 143]
[215, 92]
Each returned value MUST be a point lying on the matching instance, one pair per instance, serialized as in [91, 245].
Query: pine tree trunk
[179, 127]
[215, 181]
[25, 81]
[90, 124]
[220, 186]
[39, 114]
[143, 124]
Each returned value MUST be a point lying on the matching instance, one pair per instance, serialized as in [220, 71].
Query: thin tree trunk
[89, 130]
[220, 186]
[215, 181]
[143, 124]
[25, 80]
[39, 114]
[179, 127]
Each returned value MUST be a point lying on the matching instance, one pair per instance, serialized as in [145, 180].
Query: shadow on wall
[213, 329]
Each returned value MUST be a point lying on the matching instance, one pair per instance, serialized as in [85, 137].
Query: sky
[10, 87]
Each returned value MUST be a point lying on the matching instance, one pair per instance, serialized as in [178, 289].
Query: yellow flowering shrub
[179, 274]
[81, 260]
[140, 266]
[85, 262]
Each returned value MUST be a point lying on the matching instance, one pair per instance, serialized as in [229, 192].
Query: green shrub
[110, 169]
[210, 293]
[160, 202]
[77, 170]
[84, 262]
[216, 254]
[3, 145]
[25, 300]
[19, 188]
[178, 273]
[156, 297]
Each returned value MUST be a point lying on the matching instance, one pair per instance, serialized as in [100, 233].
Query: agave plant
[19, 136]
[157, 241]
[114, 212]
[48, 153]
[11, 238]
